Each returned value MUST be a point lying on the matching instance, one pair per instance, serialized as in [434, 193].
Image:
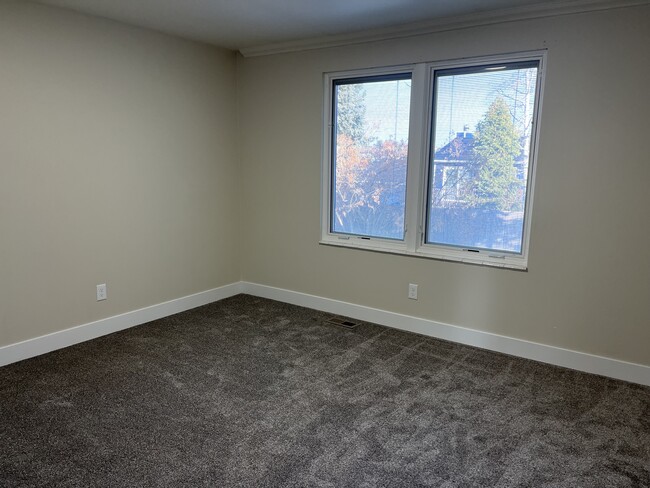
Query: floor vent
[343, 322]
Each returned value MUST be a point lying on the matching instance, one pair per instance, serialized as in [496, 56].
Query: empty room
[352, 243]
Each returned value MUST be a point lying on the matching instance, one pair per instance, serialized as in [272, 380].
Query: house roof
[459, 149]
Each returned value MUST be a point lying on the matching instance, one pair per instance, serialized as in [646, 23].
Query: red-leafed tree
[370, 174]
[370, 187]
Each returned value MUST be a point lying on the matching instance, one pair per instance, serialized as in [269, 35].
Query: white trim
[527, 12]
[328, 237]
[81, 333]
[484, 257]
[417, 155]
[613, 368]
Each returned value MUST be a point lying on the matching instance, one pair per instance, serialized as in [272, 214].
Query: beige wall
[122, 161]
[117, 165]
[588, 284]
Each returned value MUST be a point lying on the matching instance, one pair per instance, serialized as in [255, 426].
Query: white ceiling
[242, 24]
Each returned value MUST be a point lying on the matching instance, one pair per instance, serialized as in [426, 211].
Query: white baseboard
[57, 340]
[613, 368]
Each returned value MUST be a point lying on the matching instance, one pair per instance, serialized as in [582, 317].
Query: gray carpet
[252, 392]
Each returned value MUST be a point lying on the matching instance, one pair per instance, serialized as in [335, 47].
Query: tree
[370, 173]
[351, 111]
[370, 187]
[519, 93]
[496, 148]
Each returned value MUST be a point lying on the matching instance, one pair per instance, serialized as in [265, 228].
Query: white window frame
[417, 179]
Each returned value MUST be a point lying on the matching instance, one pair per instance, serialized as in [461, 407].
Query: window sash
[403, 76]
[433, 163]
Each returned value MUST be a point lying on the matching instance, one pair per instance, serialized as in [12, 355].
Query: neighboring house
[452, 220]
[453, 169]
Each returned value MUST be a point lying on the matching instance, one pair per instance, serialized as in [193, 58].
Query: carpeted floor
[251, 392]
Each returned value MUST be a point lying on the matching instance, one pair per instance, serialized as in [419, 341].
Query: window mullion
[417, 155]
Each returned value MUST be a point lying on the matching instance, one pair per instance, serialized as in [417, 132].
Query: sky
[387, 109]
[462, 99]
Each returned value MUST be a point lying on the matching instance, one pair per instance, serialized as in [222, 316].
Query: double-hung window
[434, 159]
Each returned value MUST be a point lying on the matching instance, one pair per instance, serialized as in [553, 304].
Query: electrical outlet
[413, 291]
[101, 292]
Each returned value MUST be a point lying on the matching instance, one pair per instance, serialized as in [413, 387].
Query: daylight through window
[478, 177]
[434, 159]
[370, 148]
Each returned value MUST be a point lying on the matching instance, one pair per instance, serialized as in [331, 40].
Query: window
[434, 159]
[453, 185]
[369, 152]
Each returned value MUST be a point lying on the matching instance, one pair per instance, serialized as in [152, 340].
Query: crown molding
[542, 10]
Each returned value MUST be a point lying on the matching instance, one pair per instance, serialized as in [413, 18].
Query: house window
[453, 185]
[434, 159]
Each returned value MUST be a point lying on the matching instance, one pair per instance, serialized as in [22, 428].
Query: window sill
[480, 258]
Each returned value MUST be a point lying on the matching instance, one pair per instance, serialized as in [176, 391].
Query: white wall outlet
[413, 291]
[102, 293]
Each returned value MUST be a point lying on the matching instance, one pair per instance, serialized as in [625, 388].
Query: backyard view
[482, 125]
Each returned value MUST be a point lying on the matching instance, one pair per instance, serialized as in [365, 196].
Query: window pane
[478, 180]
[370, 143]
